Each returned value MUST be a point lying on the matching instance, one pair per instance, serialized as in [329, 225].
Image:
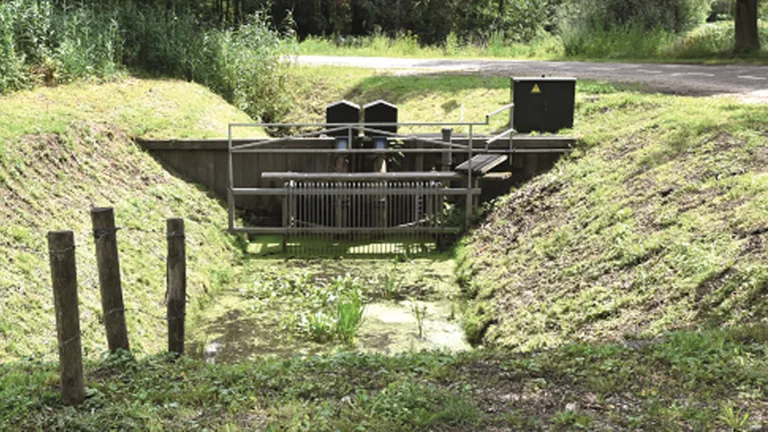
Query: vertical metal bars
[362, 217]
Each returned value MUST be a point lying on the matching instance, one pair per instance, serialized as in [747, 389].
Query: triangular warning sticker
[536, 89]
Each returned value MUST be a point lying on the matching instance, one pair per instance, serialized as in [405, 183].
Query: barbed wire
[85, 333]
[87, 277]
[42, 248]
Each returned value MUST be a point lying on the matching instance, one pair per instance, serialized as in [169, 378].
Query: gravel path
[698, 80]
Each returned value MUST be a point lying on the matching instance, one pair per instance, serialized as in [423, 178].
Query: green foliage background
[44, 42]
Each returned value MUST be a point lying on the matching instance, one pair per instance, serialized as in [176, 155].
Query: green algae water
[288, 308]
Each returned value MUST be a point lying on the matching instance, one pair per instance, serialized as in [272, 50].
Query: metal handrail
[498, 111]
[375, 128]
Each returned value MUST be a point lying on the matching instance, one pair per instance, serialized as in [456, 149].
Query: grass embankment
[709, 43]
[659, 221]
[444, 98]
[66, 149]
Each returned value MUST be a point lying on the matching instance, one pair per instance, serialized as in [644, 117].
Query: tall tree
[747, 38]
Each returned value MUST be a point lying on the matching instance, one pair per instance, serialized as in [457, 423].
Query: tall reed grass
[41, 43]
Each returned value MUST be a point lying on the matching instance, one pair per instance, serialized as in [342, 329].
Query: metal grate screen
[364, 217]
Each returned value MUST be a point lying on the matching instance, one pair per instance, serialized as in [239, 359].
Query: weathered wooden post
[108, 262]
[61, 250]
[177, 285]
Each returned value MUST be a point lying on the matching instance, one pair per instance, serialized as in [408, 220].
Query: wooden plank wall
[205, 163]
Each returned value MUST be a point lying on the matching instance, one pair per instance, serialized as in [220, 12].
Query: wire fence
[92, 328]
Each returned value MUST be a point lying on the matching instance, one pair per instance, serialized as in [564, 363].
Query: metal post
[469, 179]
[231, 180]
[284, 237]
[447, 156]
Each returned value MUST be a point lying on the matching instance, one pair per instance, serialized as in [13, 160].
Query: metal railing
[325, 212]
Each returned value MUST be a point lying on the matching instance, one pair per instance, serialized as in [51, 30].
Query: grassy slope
[446, 98]
[660, 221]
[69, 148]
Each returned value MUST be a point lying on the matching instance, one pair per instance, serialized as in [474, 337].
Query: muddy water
[392, 328]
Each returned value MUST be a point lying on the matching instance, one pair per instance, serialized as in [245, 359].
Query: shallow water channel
[269, 313]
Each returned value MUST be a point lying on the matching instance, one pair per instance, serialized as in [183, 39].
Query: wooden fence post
[61, 250]
[177, 285]
[108, 262]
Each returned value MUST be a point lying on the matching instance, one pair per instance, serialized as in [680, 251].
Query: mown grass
[709, 43]
[686, 381]
[69, 148]
[657, 222]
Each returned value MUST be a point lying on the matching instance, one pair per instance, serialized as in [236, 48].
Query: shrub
[40, 42]
[669, 15]
[518, 21]
[626, 28]
[12, 75]
[709, 40]
[721, 9]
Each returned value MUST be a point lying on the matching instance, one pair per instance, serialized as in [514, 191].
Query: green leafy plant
[420, 313]
[571, 419]
[349, 318]
[318, 326]
[734, 418]
[391, 285]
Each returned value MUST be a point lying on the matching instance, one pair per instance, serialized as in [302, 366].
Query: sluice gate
[364, 182]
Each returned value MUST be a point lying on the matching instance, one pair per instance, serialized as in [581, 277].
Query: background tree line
[434, 21]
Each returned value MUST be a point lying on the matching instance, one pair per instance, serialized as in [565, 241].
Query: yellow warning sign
[536, 89]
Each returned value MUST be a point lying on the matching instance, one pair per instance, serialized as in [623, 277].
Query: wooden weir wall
[205, 162]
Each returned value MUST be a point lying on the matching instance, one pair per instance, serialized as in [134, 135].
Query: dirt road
[699, 80]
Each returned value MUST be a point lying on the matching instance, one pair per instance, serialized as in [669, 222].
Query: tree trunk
[747, 38]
